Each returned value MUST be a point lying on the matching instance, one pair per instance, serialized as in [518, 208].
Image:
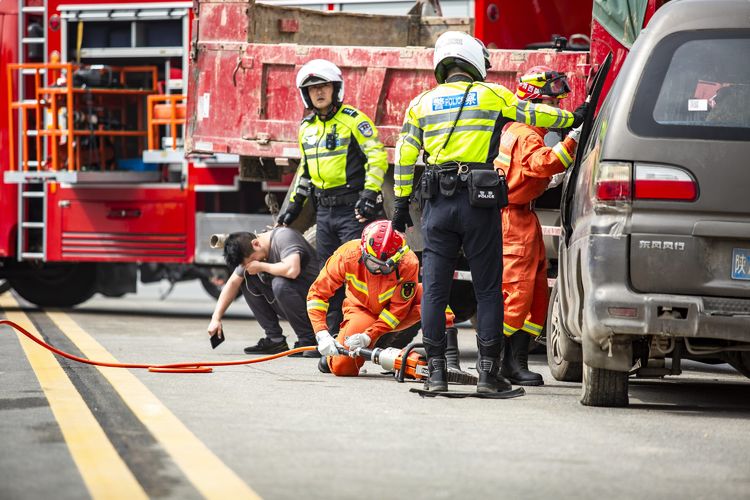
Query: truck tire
[740, 361]
[215, 280]
[56, 285]
[4, 286]
[602, 387]
[557, 340]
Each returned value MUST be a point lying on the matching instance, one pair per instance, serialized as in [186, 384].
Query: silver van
[654, 260]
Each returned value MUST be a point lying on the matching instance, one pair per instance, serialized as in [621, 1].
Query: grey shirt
[286, 241]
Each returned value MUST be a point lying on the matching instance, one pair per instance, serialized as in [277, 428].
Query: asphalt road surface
[283, 430]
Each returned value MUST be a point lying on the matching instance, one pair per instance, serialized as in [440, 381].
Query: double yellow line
[103, 470]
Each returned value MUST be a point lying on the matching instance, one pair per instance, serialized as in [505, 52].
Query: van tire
[602, 387]
[560, 368]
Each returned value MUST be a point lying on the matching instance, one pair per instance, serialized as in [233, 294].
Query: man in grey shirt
[274, 270]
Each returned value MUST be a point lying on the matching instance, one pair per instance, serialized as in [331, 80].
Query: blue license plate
[741, 264]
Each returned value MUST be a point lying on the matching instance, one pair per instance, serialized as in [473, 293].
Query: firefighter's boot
[515, 364]
[451, 348]
[437, 366]
[488, 369]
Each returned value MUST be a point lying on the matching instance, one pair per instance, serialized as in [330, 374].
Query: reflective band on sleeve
[509, 330]
[389, 318]
[532, 328]
[503, 159]
[317, 305]
[386, 295]
[562, 153]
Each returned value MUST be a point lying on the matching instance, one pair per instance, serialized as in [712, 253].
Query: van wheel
[56, 285]
[604, 387]
[740, 361]
[557, 342]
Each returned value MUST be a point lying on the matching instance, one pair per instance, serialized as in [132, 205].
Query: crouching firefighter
[458, 125]
[380, 273]
[529, 165]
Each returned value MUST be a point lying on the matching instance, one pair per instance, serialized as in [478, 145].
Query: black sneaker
[306, 354]
[267, 346]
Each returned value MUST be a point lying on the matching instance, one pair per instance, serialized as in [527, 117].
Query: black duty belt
[336, 200]
[460, 167]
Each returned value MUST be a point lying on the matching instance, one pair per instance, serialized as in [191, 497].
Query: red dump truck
[244, 57]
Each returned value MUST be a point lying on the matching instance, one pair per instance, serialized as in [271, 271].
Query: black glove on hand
[580, 114]
[292, 212]
[401, 218]
[369, 205]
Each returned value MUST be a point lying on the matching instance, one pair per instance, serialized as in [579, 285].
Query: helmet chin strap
[332, 110]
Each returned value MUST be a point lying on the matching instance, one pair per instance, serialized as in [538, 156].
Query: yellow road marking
[103, 471]
[210, 476]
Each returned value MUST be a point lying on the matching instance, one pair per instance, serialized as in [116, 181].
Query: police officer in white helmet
[458, 125]
[342, 167]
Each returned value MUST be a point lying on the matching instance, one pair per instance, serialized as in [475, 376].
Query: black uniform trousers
[335, 226]
[448, 223]
[282, 297]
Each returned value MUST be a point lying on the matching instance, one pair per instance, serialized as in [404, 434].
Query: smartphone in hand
[217, 339]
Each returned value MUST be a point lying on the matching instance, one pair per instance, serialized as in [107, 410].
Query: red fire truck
[242, 99]
[94, 187]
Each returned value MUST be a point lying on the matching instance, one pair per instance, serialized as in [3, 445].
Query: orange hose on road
[168, 368]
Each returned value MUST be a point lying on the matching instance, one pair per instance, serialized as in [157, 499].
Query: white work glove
[575, 134]
[327, 346]
[556, 180]
[357, 341]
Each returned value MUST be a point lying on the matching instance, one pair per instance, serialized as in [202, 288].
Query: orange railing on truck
[167, 110]
[50, 100]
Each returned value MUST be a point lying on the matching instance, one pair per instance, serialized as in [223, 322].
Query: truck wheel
[56, 285]
[4, 286]
[557, 341]
[462, 301]
[740, 361]
[214, 282]
[604, 387]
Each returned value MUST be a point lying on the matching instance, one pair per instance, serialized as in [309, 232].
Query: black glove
[401, 218]
[292, 212]
[580, 114]
[369, 205]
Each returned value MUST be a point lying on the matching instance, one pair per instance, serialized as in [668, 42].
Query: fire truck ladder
[32, 191]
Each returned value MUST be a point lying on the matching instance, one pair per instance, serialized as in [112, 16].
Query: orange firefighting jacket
[528, 163]
[384, 295]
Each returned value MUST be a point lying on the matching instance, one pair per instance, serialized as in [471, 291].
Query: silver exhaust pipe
[217, 240]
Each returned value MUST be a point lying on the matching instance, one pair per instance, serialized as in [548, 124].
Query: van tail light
[660, 182]
[613, 182]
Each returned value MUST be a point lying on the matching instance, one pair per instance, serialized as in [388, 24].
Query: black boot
[516, 361]
[488, 369]
[438, 380]
[451, 348]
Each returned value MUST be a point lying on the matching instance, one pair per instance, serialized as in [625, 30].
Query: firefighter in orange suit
[382, 295]
[529, 165]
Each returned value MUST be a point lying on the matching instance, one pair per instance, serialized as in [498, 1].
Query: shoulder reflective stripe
[562, 154]
[317, 305]
[412, 130]
[389, 318]
[411, 140]
[461, 128]
[386, 295]
[509, 330]
[358, 285]
[503, 159]
[532, 328]
[467, 114]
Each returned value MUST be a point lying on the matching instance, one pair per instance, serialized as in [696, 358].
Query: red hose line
[168, 368]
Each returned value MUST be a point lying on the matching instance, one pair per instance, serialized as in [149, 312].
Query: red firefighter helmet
[542, 81]
[382, 247]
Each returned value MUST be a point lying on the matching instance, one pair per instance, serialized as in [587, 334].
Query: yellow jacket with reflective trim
[378, 293]
[476, 136]
[358, 160]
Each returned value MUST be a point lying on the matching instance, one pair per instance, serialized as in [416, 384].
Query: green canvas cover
[623, 19]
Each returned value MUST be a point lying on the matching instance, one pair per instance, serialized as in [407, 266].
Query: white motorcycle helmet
[320, 71]
[462, 50]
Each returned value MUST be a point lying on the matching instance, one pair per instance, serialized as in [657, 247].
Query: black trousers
[281, 298]
[336, 225]
[449, 223]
